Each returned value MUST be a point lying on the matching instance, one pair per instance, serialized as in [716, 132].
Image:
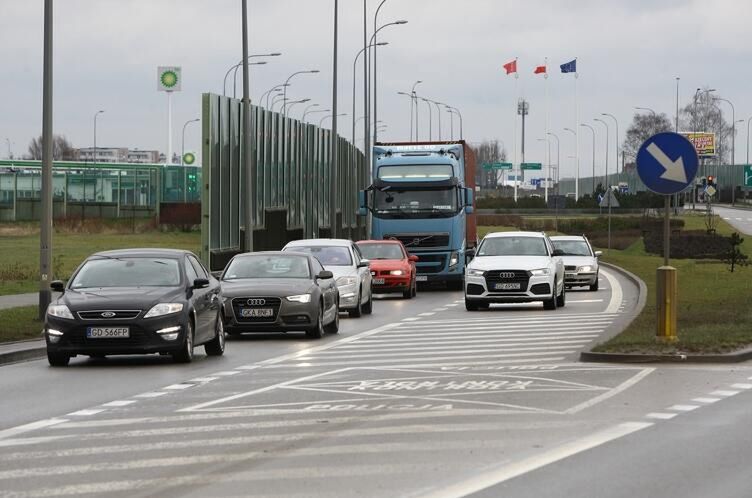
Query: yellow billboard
[703, 141]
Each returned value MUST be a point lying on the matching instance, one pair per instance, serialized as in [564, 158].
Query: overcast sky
[629, 53]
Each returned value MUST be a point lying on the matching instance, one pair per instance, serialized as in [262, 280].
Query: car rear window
[381, 251]
[513, 246]
[327, 255]
[128, 272]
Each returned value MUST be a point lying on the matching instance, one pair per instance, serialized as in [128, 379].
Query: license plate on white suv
[108, 333]
[507, 286]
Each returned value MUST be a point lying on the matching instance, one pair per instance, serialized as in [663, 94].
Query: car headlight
[396, 272]
[300, 298]
[59, 311]
[342, 281]
[540, 272]
[474, 273]
[162, 309]
[585, 269]
[454, 258]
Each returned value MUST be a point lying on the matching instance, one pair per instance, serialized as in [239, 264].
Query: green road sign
[525, 166]
[497, 166]
[748, 175]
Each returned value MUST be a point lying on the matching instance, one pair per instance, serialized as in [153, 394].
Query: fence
[98, 190]
[292, 188]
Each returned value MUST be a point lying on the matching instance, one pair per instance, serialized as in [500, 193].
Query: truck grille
[430, 263]
[413, 240]
[494, 277]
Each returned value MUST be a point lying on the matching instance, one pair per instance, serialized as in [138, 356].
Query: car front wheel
[216, 347]
[185, 354]
[317, 331]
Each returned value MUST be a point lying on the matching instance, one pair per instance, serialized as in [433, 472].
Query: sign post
[667, 163]
[169, 80]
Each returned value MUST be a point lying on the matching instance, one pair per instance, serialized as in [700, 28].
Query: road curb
[735, 357]
[31, 353]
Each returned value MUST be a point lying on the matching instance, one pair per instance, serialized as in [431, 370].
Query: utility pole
[523, 109]
[247, 151]
[45, 235]
[334, 142]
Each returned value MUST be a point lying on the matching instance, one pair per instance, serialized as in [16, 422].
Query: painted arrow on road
[675, 171]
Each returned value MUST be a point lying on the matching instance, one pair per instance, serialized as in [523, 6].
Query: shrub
[689, 245]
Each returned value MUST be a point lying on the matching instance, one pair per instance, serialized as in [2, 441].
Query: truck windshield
[394, 203]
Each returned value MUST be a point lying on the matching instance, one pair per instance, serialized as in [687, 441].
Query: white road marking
[613, 392]
[203, 379]
[492, 340]
[448, 349]
[616, 293]
[430, 313]
[741, 386]
[225, 373]
[247, 367]
[661, 415]
[509, 471]
[417, 361]
[452, 305]
[20, 429]
[570, 301]
[683, 408]
[178, 387]
[87, 412]
[155, 394]
[122, 402]
[724, 393]
[411, 319]
[706, 400]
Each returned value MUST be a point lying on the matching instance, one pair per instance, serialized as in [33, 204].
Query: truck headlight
[585, 269]
[454, 258]
[300, 298]
[474, 273]
[342, 281]
[59, 311]
[540, 272]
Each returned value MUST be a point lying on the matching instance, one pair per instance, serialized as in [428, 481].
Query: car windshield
[128, 272]
[327, 255]
[513, 246]
[381, 251]
[266, 266]
[572, 247]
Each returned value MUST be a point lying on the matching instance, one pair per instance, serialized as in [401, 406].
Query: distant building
[103, 154]
[143, 156]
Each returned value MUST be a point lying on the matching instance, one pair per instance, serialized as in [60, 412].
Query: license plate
[257, 312]
[507, 286]
[108, 332]
[570, 275]
[421, 278]
[378, 281]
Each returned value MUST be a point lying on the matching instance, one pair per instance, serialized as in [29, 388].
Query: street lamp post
[414, 102]
[355, 63]
[240, 64]
[278, 98]
[307, 108]
[606, 125]
[321, 121]
[616, 167]
[592, 130]
[287, 82]
[576, 162]
[646, 109]
[372, 43]
[315, 111]
[182, 143]
[457, 111]
[558, 168]
[430, 119]
[95, 136]
[235, 75]
[288, 105]
[411, 112]
[267, 93]
[733, 145]
[438, 113]
[451, 122]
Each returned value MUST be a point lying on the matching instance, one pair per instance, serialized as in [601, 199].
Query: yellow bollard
[666, 301]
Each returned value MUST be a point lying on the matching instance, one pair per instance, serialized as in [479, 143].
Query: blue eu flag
[569, 67]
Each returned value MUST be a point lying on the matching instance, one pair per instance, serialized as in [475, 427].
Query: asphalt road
[420, 399]
[741, 219]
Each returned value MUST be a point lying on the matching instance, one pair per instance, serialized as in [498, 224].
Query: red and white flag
[511, 67]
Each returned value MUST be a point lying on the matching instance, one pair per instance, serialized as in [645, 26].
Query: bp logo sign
[168, 79]
[189, 158]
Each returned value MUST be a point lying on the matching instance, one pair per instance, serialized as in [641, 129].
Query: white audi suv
[515, 267]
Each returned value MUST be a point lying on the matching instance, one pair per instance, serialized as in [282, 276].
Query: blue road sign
[667, 163]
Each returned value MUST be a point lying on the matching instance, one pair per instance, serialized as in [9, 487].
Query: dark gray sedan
[279, 292]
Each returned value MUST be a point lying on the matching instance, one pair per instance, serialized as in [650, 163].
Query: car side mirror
[364, 263]
[200, 283]
[469, 255]
[557, 252]
[598, 254]
[57, 286]
[413, 258]
[325, 275]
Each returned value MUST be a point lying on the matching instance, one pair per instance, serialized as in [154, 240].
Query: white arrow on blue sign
[667, 163]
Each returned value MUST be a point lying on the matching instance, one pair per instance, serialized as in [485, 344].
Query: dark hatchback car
[136, 301]
[279, 292]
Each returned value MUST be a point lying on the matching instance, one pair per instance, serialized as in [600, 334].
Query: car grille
[413, 240]
[109, 314]
[507, 276]
[239, 303]
[431, 263]
[570, 268]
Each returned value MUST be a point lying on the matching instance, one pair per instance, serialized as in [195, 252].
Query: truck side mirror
[468, 200]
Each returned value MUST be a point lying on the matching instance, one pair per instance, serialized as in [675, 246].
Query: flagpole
[548, 126]
[517, 96]
[576, 136]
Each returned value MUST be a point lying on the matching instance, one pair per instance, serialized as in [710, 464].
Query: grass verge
[17, 324]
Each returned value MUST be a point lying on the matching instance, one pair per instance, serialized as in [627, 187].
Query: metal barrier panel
[293, 168]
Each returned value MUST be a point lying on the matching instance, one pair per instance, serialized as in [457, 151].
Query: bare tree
[488, 152]
[62, 149]
[704, 113]
[643, 127]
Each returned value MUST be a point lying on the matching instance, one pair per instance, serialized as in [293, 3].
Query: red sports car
[392, 268]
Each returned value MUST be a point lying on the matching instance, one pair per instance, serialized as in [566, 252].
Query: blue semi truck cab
[421, 196]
